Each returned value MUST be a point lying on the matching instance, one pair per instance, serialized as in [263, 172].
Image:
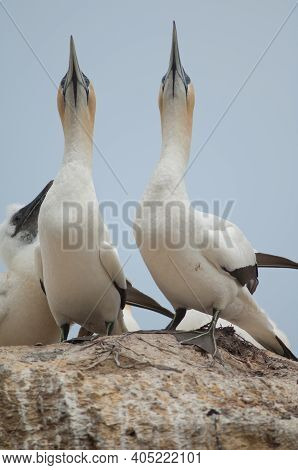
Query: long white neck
[176, 135]
[78, 141]
[168, 179]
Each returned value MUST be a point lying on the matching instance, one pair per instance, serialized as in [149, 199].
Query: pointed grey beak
[26, 218]
[74, 75]
[175, 67]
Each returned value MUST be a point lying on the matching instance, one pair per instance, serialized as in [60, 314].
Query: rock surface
[146, 391]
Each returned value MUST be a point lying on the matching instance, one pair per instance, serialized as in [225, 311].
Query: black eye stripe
[185, 78]
[86, 81]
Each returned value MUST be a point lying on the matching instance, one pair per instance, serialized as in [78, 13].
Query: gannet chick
[215, 264]
[25, 317]
[85, 284]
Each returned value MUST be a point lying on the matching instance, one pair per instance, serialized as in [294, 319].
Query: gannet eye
[86, 79]
[187, 79]
[15, 219]
[62, 83]
[87, 83]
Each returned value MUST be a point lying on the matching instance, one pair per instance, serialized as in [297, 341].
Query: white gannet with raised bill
[25, 317]
[199, 261]
[85, 284]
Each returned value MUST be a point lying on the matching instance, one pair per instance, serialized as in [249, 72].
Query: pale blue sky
[123, 47]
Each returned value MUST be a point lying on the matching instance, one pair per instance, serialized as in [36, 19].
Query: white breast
[78, 287]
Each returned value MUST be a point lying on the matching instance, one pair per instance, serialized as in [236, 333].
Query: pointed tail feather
[245, 313]
[265, 260]
[287, 353]
[136, 298]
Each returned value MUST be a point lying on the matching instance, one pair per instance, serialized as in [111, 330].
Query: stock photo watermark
[173, 225]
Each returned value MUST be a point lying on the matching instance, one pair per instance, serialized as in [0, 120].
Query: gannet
[199, 261]
[25, 317]
[85, 285]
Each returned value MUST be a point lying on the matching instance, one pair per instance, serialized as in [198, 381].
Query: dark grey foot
[206, 339]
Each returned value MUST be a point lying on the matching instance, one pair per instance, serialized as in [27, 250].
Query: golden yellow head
[176, 94]
[76, 97]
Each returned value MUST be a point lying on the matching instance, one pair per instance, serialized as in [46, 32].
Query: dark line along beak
[175, 66]
[29, 214]
[74, 74]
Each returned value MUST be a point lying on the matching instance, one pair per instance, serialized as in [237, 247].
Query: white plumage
[214, 262]
[82, 284]
[129, 321]
[25, 317]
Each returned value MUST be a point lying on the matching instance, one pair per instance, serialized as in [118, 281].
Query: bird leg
[208, 335]
[109, 327]
[64, 331]
[179, 315]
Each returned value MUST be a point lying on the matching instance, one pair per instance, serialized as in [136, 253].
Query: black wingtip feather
[287, 353]
[137, 298]
[265, 260]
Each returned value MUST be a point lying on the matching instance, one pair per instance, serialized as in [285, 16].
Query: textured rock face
[146, 391]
